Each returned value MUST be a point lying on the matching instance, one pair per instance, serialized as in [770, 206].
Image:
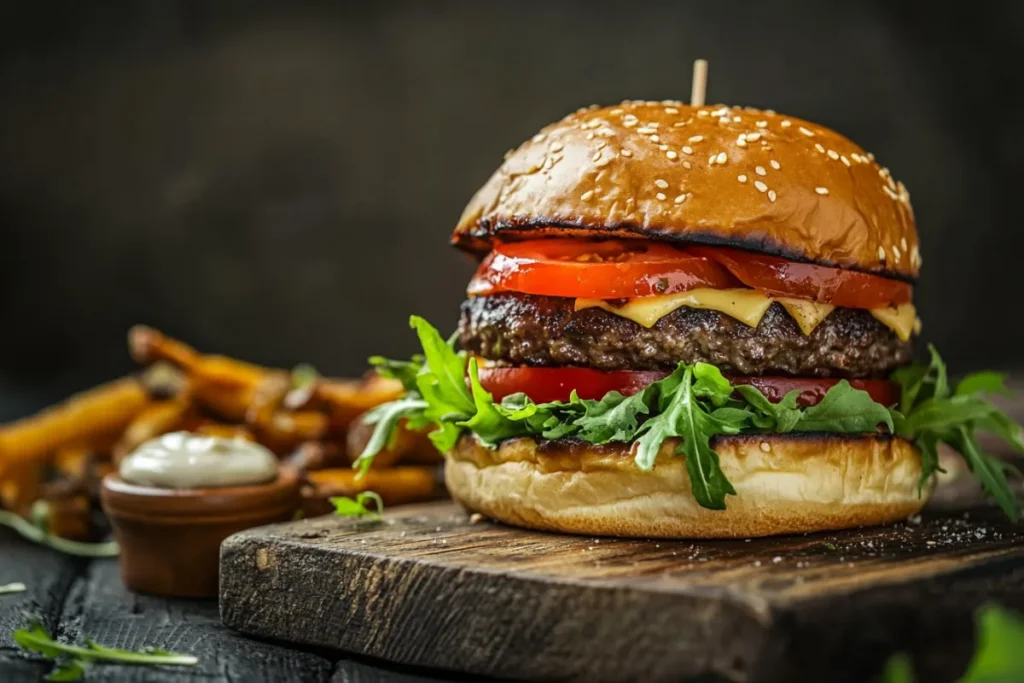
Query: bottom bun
[785, 483]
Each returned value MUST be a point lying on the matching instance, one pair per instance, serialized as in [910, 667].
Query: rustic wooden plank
[48, 577]
[429, 588]
[101, 607]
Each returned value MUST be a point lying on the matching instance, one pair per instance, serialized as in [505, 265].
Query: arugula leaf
[38, 533]
[447, 368]
[844, 410]
[986, 382]
[782, 417]
[709, 383]
[488, 423]
[356, 507]
[614, 418]
[685, 417]
[991, 472]
[9, 588]
[404, 371]
[898, 669]
[304, 376]
[997, 653]
[386, 416]
[72, 660]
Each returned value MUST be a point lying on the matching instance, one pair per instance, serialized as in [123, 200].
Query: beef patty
[523, 329]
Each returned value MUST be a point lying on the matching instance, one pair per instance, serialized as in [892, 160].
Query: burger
[687, 322]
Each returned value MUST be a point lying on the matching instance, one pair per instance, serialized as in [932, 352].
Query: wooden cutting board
[429, 587]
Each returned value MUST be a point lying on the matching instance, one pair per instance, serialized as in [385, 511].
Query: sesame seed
[629, 123]
[871, 157]
[881, 254]
[601, 144]
[771, 195]
[895, 254]
[806, 132]
[702, 112]
[761, 124]
[774, 164]
[687, 149]
[615, 112]
[753, 137]
[696, 138]
[842, 157]
[742, 178]
[680, 199]
[626, 153]
[821, 190]
[663, 147]
[761, 187]
[786, 123]
[889, 192]
[679, 124]
[587, 196]
[548, 163]
[832, 154]
[603, 162]
[655, 138]
[711, 159]
[770, 112]
[759, 170]
[597, 155]
[539, 137]
[590, 135]
[817, 146]
[660, 196]
[722, 157]
[556, 147]
[671, 155]
[766, 447]
[660, 182]
[686, 164]
[741, 142]
[903, 243]
[671, 110]
[736, 119]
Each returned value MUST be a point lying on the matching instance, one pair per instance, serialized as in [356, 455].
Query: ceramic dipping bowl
[170, 538]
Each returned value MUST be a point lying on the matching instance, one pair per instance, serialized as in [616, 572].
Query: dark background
[277, 180]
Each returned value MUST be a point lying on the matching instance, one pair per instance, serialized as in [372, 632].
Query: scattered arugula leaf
[1000, 638]
[16, 587]
[356, 507]
[73, 660]
[38, 533]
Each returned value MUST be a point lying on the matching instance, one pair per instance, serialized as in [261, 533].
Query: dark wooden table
[78, 597]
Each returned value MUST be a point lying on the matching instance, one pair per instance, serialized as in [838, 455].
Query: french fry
[160, 417]
[82, 417]
[345, 400]
[72, 462]
[224, 385]
[395, 486]
[20, 487]
[70, 516]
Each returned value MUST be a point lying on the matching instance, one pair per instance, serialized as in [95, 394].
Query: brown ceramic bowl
[170, 539]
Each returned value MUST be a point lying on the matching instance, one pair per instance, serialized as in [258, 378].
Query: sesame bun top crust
[716, 175]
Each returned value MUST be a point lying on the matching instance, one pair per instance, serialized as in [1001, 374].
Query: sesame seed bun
[789, 483]
[716, 175]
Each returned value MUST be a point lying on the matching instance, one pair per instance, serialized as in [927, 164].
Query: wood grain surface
[429, 587]
[78, 597]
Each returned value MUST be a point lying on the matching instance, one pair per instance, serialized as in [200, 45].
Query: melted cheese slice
[900, 319]
[748, 306]
[807, 314]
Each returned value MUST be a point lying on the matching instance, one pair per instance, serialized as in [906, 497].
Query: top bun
[717, 175]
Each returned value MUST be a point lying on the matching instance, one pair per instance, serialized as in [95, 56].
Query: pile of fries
[59, 455]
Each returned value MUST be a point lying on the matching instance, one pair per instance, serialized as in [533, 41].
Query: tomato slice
[812, 390]
[544, 385]
[779, 277]
[609, 269]
[556, 384]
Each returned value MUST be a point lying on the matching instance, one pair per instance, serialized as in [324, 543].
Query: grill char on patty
[523, 329]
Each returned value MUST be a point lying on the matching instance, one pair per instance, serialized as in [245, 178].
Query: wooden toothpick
[700, 82]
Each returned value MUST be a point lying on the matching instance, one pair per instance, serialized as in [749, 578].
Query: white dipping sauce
[182, 460]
